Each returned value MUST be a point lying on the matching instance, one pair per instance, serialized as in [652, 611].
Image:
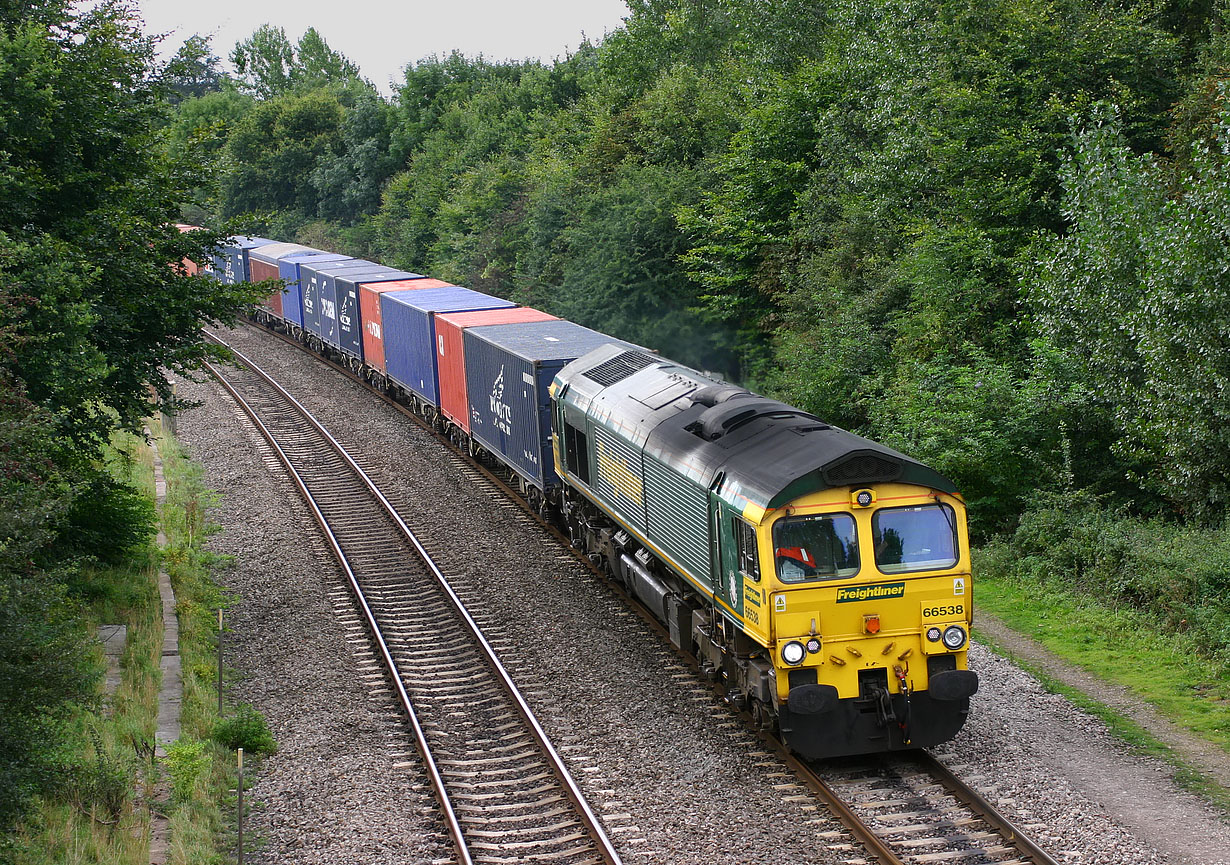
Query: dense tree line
[988, 234]
[91, 315]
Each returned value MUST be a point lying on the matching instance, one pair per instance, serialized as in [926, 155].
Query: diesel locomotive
[825, 578]
[822, 577]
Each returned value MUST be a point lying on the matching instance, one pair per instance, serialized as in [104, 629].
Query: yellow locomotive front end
[870, 604]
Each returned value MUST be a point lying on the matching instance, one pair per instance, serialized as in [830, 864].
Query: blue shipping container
[408, 319]
[311, 282]
[509, 369]
[230, 265]
[342, 288]
[289, 270]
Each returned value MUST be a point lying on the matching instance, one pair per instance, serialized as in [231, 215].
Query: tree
[194, 70]
[270, 65]
[46, 667]
[276, 147]
[1135, 297]
[92, 315]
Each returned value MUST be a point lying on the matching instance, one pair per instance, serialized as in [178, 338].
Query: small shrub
[103, 785]
[109, 521]
[245, 729]
[187, 763]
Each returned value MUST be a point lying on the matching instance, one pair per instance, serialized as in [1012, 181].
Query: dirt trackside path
[1203, 756]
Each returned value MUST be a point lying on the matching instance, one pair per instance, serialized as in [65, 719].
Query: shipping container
[263, 264]
[410, 336]
[188, 266]
[369, 309]
[332, 296]
[450, 354]
[289, 268]
[345, 287]
[230, 264]
[509, 369]
[311, 282]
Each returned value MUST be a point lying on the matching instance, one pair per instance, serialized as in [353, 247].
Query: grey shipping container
[509, 369]
[230, 265]
[343, 289]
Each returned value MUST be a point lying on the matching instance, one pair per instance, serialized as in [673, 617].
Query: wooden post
[219, 663]
[240, 845]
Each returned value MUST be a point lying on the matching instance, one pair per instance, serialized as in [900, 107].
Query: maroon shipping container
[261, 270]
[450, 354]
[369, 314]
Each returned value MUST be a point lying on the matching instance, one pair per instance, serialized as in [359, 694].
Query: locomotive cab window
[922, 538]
[817, 547]
[745, 549]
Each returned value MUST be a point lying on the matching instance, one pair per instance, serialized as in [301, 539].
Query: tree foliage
[1136, 293]
[842, 203]
[270, 65]
[93, 312]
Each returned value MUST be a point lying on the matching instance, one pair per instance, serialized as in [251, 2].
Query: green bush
[109, 520]
[1178, 574]
[245, 729]
[103, 784]
[186, 763]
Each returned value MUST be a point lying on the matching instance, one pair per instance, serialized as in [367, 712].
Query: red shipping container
[369, 310]
[189, 266]
[263, 270]
[451, 357]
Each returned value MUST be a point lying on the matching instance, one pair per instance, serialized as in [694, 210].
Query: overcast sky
[382, 36]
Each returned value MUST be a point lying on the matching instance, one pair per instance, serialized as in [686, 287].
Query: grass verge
[115, 790]
[201, 772]
[102, 811]
[1123, 647]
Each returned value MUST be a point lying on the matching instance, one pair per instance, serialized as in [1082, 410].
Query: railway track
[909, 809]
[503, 791]
[903, 809]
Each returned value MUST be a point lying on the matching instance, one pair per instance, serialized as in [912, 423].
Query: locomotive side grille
[677, 515]
[862, 469]
[618, 368]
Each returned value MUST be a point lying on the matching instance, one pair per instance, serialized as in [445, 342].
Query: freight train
[822, 577]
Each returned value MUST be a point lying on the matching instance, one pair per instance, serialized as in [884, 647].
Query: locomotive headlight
[954, 637]
[813, 645]
[933, 634]
[793, 653]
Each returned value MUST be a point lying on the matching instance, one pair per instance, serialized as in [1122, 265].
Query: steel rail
[980, 806]
[604, 846]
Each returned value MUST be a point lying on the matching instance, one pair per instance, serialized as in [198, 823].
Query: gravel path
[672, 775]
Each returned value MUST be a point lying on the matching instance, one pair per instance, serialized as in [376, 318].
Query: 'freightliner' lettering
[877, 592]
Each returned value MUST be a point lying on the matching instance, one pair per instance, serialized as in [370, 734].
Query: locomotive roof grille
[618, 368]
[862, 468]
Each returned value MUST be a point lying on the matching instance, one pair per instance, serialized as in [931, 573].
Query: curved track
[903, 808]
[504, 793]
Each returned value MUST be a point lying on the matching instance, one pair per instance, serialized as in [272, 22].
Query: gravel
[671, 773]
